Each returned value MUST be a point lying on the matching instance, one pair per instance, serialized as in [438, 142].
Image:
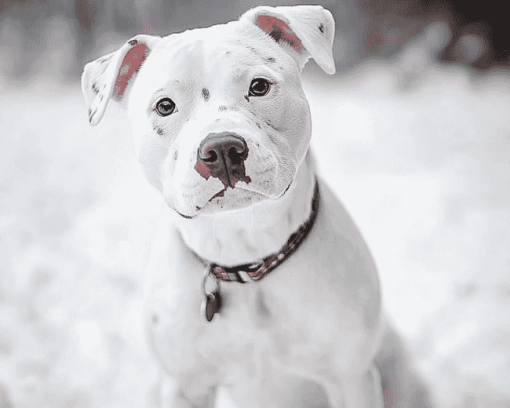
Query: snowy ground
[423, 164]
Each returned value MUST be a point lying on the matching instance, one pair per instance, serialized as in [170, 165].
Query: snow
[420, 160]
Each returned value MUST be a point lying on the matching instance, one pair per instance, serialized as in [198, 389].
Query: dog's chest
[295, 314]
[255, 331]
[241, 337]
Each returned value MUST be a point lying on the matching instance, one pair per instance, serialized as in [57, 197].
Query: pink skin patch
[280, 31]
[229, 174]
[130, 64]
[202, 169]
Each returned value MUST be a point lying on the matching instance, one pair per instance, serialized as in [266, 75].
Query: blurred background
[60, 36]
[412, 133]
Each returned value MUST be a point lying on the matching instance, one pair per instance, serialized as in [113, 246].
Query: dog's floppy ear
[108, 76]
[308, 30]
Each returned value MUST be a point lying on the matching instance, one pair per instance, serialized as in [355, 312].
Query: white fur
[316, 319]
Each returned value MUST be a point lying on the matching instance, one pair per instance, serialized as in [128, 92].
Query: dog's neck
[255, 232]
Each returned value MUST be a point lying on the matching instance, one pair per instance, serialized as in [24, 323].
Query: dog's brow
[239, 76]
[157, 94]
[164, 91]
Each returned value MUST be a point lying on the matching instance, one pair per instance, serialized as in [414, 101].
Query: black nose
[222, 156]
[232, 149]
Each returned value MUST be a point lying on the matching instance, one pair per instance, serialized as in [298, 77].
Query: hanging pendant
[211, 304]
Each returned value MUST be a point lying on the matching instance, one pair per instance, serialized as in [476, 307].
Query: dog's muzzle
[222, 155]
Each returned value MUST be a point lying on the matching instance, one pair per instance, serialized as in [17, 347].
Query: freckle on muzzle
[222, 155]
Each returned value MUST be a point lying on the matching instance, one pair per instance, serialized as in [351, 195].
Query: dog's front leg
[184, 394]
[357, 390]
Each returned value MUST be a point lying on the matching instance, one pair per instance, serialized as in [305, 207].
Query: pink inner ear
[279, 30]
[130, 64]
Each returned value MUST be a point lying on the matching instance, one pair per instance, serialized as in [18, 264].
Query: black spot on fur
[222, 108]
[258, 125]
[228, 53]
[321, 28]
[270, 60]
[277, 34]
[133, 42]
[158, 130]
[246, 97]
[95, 88]
[176, 155]
[205, 94]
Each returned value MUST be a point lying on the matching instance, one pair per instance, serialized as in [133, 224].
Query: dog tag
[211, 305]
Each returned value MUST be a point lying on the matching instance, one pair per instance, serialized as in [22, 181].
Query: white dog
[259, 281]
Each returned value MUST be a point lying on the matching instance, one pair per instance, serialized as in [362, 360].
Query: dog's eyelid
[268, 78]
[157, 97]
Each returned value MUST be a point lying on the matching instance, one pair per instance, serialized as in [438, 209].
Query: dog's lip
[188, 217]
[222, 192]
[286, 189]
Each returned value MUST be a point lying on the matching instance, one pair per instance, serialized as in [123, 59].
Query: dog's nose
[222, 156]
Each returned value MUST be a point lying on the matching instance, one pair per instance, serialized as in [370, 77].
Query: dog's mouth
[231, 199]
[220, 193]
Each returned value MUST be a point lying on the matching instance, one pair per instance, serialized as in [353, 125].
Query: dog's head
[219, 118]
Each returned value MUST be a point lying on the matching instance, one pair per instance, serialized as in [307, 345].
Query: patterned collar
[255, 272]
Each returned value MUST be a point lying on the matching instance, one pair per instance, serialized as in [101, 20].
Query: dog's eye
[165, 107]
[259, 87]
